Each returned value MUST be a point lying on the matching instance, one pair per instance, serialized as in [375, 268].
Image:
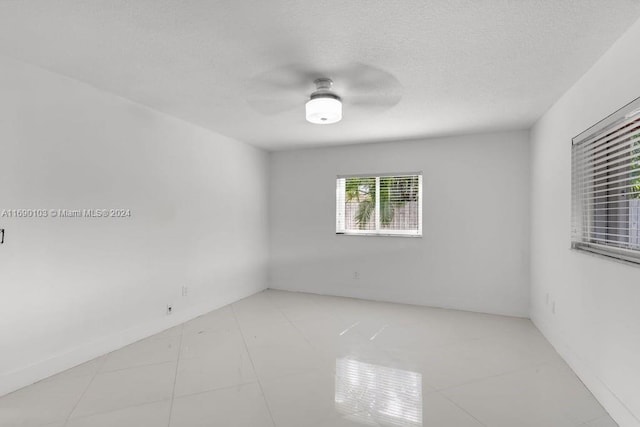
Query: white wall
[474, 251]
[72, 289]
[596, 326]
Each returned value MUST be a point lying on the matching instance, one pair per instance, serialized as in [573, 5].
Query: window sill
[379, 235]
[605, 256]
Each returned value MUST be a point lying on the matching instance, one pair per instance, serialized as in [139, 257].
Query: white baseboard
[371, 296]
[607, 398]
[28, 375]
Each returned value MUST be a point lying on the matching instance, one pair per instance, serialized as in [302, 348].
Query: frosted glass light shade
[324, 110]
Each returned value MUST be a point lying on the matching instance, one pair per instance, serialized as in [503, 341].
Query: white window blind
[605, 185]
[388, 204]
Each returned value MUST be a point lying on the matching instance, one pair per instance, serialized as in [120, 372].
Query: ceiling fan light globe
[323, 110]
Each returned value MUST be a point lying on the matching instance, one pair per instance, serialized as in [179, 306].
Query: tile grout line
[596, 419]
[461, 408]
[84, 392]
[137, 366]
[278, 308]
[98, 372]
[294, 326]
[319, 350]
[226, 387]
[607, 416]
[175, 377]
[292, 323]
[109, 411]
[501, 374]
[274, 300]
[244, 340]
[316, 347]
[335, 377]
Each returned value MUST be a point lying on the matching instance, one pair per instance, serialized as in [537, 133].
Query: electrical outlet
[356, 275]
[185, 291]
[169, 309]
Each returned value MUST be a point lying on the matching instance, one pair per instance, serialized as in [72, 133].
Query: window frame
[379, 231]
[579, 241]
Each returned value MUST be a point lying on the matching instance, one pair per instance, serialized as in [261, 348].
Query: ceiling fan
[361, 90]
[324, 107]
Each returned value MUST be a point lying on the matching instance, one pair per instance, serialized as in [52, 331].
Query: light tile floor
[281, 359]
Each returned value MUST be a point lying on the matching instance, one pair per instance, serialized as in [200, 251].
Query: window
[383, 205]
[606, 186]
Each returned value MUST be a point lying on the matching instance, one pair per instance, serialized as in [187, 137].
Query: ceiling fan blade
[362, 78]
[377, 100]
[271, 107]
[279, 89]
[288, 87]
[368, 88]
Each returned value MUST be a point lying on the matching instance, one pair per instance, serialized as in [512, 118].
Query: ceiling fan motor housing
[324, 106]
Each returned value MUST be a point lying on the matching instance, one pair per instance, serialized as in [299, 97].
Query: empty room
[324, 213]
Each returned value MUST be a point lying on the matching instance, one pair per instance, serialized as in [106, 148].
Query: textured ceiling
[451, 66]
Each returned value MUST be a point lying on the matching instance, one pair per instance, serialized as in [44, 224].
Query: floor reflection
[373, 394]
